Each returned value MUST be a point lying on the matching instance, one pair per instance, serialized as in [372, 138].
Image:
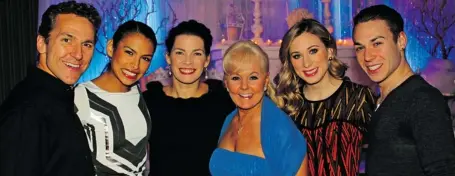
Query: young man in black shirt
[40, 133]
[410, 132]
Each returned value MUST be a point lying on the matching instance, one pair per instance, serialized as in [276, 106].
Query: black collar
[46, 83]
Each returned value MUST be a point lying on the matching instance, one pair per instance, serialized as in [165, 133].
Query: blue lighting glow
[114, 14]
[342, 13]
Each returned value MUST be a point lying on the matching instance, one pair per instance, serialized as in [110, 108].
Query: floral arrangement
[296, 15]
[234, 17]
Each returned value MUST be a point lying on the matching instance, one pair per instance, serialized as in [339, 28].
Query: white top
[117, 126]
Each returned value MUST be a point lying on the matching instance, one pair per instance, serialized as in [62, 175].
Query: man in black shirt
[410, 132]
[40, 133]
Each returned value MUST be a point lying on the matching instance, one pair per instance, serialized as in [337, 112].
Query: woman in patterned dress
[331, 111]
[111, 108]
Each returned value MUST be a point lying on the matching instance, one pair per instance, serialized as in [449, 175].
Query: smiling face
[377, 52]
[246, 83]
[130, 58]
[309, 58]
[187, 58]
[69, 49]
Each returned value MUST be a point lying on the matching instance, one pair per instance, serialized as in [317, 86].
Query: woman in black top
[331, 111]
[187, 116]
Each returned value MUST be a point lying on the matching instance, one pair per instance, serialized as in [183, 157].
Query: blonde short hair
[246, 52]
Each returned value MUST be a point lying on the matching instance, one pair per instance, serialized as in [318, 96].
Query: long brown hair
[289, 96]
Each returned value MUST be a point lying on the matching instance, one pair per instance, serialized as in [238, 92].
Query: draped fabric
[283, 146]
[18, 26]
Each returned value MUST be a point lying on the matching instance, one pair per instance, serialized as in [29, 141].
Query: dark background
[18, 26]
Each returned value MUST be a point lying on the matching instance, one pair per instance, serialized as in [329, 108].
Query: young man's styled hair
[381, 12]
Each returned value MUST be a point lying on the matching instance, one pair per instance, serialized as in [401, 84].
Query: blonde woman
[257, 138]
[331, 111]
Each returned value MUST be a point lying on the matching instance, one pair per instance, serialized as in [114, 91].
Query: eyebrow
[312, 46]
[357, 43]
[296, 52]
[148, 55]
[66, 34]
[254, 73]
[198, 50]
[372, 40]
[127, 47]
[89, 41]
[239, 73]
[193, 50]
[71, 36]
[378, 37]
[134, 51]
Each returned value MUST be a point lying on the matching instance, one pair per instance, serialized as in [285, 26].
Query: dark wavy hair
[191, 27]
[70, 7]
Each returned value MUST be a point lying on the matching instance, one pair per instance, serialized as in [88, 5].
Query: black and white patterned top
[117, 126]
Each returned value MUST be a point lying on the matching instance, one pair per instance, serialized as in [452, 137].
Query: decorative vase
[233, 33]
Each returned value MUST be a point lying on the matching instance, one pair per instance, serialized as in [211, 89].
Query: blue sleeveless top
[283, 145]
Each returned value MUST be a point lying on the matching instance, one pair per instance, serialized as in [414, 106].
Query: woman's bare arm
[303, 171]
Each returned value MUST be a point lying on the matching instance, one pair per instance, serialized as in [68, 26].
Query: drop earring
[170, 72]
[206, 73]
[265, 88]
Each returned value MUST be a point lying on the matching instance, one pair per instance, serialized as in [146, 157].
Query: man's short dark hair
[381, 12]
[70, 7]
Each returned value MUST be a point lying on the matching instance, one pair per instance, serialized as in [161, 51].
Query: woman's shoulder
[82, 88]
[215, 85]
[153, 85]
[154, 88]
[83, 85]
[89, 86]
[277, 118]
[282, 140]
[217, 91]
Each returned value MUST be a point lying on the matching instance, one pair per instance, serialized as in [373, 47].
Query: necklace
[240, 129]
[241, 125]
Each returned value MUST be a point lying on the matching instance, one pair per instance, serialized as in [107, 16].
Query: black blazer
[40, 133]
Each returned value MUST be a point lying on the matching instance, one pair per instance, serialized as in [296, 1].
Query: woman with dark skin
[111, 107]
